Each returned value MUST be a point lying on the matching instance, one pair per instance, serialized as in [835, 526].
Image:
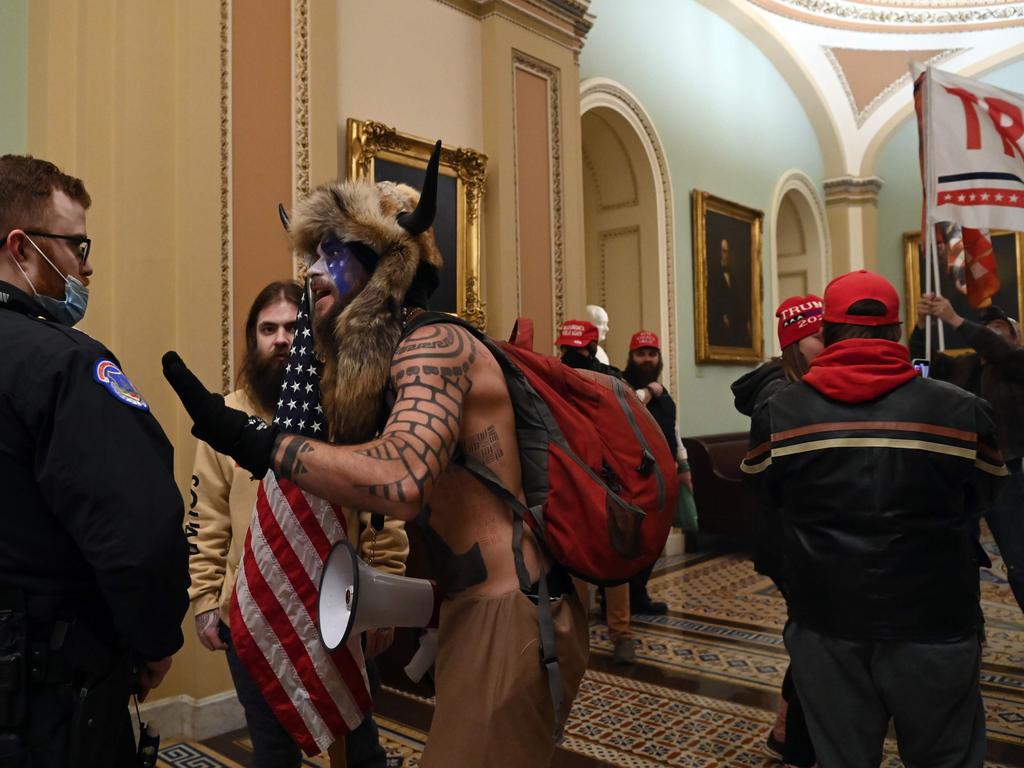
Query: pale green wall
[730, 125]
[13, 76]
[899, 202]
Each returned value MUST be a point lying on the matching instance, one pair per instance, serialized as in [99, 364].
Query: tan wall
[413, 65]
[126, 96]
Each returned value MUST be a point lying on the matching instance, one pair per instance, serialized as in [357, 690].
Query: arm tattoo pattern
[431, 376]
[291, 462]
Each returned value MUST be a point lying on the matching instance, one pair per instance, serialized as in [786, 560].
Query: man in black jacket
[643, 369]
[881, 477]
[995, 372]
[93, 561]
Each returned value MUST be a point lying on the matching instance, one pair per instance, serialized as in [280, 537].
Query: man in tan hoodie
[223, 496]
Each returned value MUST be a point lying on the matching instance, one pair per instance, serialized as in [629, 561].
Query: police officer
[93, 561]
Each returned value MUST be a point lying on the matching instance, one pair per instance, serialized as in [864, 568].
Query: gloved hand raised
[247, 439]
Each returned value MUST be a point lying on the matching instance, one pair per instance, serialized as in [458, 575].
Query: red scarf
[858, 370]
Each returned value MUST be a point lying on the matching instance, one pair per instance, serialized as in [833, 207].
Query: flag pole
[928, 233]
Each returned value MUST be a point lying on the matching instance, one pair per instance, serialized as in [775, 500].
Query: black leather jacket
[880, 503]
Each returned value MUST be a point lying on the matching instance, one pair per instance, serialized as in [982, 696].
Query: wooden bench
[726, 503]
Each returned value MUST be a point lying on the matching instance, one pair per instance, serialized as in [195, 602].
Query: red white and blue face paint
[339, 264]
[346, 271]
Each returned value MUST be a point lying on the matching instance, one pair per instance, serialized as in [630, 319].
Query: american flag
[317, 695]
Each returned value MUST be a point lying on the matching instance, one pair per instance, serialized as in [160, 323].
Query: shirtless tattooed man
[374, 263]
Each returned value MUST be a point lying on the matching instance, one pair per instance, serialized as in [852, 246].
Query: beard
[263, 378]
[324, 343]
[641, 374]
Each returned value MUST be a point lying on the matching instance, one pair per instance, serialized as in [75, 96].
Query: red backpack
[599, 480]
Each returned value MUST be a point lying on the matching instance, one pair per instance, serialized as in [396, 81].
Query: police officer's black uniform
[93, 560]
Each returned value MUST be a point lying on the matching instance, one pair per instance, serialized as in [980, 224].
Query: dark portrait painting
[445, 225]
[727, 265]
[380, 152]
[1006, 247]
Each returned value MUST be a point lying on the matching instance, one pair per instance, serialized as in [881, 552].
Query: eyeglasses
[82, 243]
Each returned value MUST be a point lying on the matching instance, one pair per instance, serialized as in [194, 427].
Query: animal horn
[420, 220]
[285, 221]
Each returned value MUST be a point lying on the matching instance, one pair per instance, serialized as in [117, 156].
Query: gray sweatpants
[850, 689]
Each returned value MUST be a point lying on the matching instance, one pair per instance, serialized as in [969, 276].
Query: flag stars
[302, 424]
[295, 387]
[319, 409]
[961, 198]
[291, 405]
[305, 406]
[985, 196]
[1013, 198]
[309, 388]
[305, 333]
[316, 425]
[999, 197]
[302, 351]
[972, 197]
[287, 423]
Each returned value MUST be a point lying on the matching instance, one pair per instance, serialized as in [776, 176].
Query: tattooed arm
[432, 372]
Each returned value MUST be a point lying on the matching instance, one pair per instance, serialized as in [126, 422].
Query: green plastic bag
[686, 511]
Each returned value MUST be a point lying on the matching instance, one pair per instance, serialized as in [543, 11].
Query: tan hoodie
[223, 496]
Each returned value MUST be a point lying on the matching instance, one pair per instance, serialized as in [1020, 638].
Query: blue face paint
[341, 264]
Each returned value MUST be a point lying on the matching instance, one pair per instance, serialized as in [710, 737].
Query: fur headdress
[395, 222]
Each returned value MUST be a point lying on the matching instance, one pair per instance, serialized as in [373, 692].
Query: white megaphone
[355, 597]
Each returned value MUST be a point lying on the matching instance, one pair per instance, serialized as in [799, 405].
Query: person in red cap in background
[801, 339]
[881, 477]
[577, 343]
[643, 369]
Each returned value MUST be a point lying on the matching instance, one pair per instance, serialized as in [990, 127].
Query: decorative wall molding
[225, 198]
[563, 22]
[552, 75]
[898, 16]
[300, 115]
[851, 190]
[601, 92]
[861, 115]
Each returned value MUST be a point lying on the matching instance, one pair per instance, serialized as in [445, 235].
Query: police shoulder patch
[112, 379]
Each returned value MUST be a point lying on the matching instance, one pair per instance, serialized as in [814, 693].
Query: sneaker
[624, 652]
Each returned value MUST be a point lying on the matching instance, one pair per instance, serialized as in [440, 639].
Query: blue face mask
[71, 309]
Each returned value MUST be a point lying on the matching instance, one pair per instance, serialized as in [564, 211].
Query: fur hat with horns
[393, 225]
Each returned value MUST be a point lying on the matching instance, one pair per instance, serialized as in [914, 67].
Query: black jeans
[272, 746]
[850, 690]
[1006, 521]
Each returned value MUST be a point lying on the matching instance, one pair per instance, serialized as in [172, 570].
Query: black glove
[247, 439]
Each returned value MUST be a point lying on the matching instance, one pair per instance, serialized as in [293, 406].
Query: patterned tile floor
[702, 689]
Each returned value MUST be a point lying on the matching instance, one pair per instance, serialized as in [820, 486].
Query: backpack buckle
[646, 463]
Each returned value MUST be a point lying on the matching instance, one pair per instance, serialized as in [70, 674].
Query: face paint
[338, 260]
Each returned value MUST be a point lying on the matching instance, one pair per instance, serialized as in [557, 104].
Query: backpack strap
[522, 336]
[545, 622]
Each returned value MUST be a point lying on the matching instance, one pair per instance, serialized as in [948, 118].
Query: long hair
[794, 364]
[279, 290]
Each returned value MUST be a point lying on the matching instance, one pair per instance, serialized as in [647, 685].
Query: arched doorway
[799, 248]
[627, 208]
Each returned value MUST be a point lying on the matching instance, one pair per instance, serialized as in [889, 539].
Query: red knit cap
[846, 290]
[644, 339]
[799, 317]
[577, 333]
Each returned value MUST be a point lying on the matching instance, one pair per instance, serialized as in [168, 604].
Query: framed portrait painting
[382, 153]
[1007, 247]
[727, 280]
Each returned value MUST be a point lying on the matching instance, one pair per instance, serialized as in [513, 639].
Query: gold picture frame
[380, 152]
[727, 295]
[1009, 251]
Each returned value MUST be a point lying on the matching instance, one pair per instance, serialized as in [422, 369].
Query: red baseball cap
[846, 290]
[644, 339]
[577, 333]
[799, 316]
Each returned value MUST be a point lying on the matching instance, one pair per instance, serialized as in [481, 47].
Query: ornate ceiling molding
[917, 16]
